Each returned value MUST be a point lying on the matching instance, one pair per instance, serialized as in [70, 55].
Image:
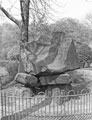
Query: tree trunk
[24, 4]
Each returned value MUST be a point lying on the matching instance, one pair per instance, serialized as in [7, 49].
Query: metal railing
[67, 107]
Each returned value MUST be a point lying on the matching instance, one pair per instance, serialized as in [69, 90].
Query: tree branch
[9, 16]
[21, 6]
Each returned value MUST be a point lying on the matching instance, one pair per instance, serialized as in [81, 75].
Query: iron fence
[63, 107]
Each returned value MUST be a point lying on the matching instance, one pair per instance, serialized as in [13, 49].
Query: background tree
[88, 20]
[74, 29]
[80, 33]
[85, 55]
[9, 40]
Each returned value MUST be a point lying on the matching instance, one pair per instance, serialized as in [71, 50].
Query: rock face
[57, 55]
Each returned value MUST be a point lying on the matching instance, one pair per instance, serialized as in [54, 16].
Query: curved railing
[69, 105]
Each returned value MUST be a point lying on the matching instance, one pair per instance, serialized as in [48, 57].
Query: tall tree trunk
[24, 4]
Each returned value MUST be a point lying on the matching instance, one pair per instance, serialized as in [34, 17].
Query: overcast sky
[62, 8]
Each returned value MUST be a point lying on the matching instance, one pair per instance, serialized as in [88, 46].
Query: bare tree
[36, 9]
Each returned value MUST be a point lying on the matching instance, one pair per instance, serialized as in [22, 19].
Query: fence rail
[40, 107]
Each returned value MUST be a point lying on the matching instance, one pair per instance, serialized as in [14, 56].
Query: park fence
[67, 107]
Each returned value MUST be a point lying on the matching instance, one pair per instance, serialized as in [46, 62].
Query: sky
[77, 9]
[73, 8]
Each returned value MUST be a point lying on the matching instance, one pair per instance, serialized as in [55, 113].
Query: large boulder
[26, 79]
[55, 79]
[63, 79]
[60, 55]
